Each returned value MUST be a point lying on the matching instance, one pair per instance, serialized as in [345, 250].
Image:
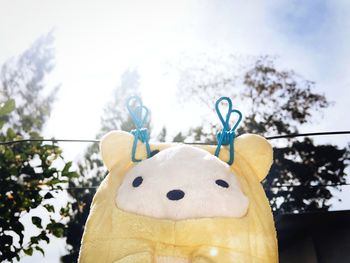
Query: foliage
[28, 180]
[29, 177]
[24, 80]
[296, 182]
[277, 102]
[91, 169]
[82, 189]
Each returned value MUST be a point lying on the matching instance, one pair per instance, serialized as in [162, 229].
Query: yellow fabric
[112, 235]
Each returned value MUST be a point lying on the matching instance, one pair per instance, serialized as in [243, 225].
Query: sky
[96, 41]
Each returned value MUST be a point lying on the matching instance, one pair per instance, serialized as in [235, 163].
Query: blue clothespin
[139, 115]
[227, 135]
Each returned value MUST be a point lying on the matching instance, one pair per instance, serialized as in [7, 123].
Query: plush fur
[205, 223]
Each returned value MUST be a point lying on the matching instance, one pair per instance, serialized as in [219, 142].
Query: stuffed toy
[182, 204]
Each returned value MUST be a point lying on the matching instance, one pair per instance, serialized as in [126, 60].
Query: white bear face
[182, 182]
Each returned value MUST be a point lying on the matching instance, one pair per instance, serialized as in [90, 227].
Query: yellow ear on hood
[256, 151]
[114, 147]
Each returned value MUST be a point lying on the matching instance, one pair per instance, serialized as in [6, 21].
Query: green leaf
[8, 107]
[37, 221]
[67, 167]
[55, 181]
[43, 236]
[58, 232]
[49, 208]
[40, 249]
[28, 251]
[57, 229]
[71, 175]
[65, 211]
[34, 240]
[11, 133]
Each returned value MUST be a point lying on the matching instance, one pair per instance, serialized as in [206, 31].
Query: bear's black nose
[175, 195]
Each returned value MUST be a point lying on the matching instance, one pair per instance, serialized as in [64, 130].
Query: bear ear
[115, 148]
[256, 151]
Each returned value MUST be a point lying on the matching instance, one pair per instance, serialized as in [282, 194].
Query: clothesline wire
[46, 140]
[294, 135]
[283, 136]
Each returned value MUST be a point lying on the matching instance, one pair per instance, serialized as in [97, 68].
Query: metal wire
[307, 186]
[294, 135]
[284, 136]
[45, 140]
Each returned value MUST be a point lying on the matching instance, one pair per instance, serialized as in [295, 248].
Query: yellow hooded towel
[181, 205]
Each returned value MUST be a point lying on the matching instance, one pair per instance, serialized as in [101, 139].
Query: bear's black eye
[137, 181]
[222, 183]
